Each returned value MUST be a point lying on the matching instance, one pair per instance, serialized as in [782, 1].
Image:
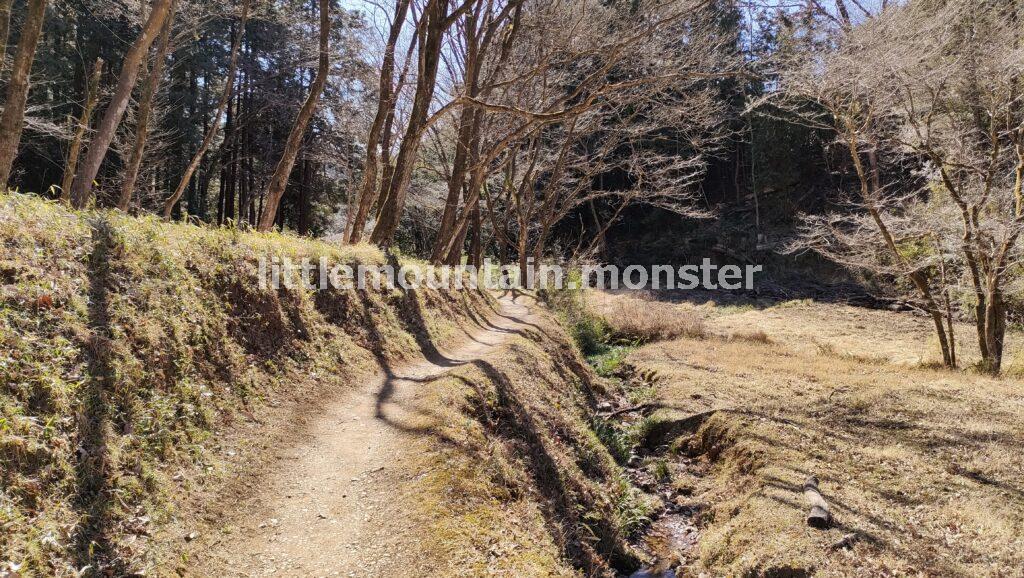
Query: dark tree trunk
[81, 191]
[275, 190]
[305, 197]
[91, 95]
[13, 119]
[149, 91]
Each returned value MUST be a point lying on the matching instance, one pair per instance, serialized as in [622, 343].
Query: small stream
[670, 541]
[673, 534]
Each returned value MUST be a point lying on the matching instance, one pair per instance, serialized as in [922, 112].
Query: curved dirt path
[325, 512]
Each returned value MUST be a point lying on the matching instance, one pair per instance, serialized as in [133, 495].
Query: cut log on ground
[819, 516]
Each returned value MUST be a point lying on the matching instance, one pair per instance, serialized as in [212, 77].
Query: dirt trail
[325, 512]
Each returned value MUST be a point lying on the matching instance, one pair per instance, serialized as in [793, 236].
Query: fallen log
[819, 516]
[643, 407]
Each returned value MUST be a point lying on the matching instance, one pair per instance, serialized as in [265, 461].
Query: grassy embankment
[923, 468]
[143, 369]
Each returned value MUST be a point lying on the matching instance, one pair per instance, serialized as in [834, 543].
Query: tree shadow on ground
[769, 294]
[509, 418]
[93, 545]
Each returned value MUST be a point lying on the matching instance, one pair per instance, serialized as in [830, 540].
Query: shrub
[618, 440]
[589, 330]
[609, 363]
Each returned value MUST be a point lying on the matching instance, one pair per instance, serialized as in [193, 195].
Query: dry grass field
[923, 468]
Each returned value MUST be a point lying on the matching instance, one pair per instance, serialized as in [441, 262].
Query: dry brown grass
[925, 467]
[646, 321]
[753, 336]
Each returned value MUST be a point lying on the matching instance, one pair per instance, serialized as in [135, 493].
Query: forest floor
[921, 466]
[331, 505]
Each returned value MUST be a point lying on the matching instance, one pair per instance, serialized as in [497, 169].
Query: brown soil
[328, 507]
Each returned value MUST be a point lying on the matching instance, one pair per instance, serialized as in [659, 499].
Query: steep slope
[150, 385]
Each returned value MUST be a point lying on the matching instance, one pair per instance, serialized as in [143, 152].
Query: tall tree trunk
[476, 248]
[81, 191]
[221, 192]
[5, 29]
[91, 95]
[243, 103]
[229, 87]
[149, 90]
[995, 326]
[13, 119]
[471, 203]
[436, 14]
[232, 186]
[275, 190]
[467, 123]
[204, 174]
[305, 204]
[355, 222]
[524, 260]
[469, 126]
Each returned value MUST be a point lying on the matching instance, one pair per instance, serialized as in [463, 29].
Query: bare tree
[431, 31]
[84, 120]
[5, 29]
[579, 71]
[387, 98]
[275, 190]
[960, 100]
[481, 66]
[843, 91]
[939, 87]
[149, 90]
[211, 134]
[13, 119]
[81, 190]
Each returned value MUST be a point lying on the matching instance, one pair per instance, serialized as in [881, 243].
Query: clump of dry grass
[751, 336]
[646, 321]
[830, 350]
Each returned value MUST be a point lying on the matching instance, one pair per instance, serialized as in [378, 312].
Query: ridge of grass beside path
[133, 349]
[145, 373]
